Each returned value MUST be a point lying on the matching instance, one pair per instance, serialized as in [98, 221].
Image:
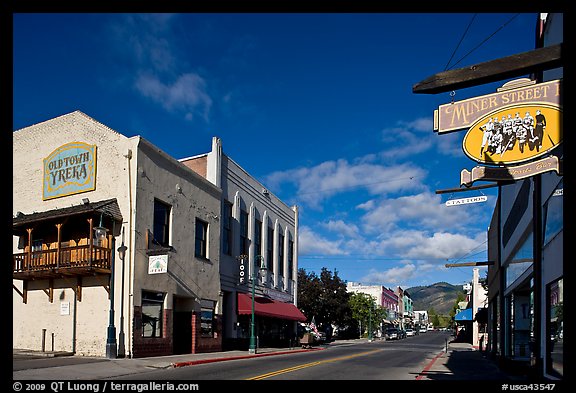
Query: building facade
[115, 242]
[146, 254]
[257, 230]
[470, 325]
[525, 241]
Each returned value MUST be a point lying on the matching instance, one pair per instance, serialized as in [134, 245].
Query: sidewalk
[64, 366]
[460, 362]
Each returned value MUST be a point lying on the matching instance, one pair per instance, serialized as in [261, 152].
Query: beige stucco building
[73, 175]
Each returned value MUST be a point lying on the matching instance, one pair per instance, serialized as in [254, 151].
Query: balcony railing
[71, 260]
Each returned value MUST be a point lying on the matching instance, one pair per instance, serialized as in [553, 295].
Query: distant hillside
[440, 296]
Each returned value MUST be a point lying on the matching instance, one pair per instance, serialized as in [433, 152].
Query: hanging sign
[460, 115]
[466, 201]
[157, 264]
[515, 134]
[510, 173]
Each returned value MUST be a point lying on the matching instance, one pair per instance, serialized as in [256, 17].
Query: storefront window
[553, 213]
[152, 305]
[555, 336]
[207, 318]
[520, 261]
[521, 321]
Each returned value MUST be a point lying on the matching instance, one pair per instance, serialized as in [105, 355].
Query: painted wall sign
[465, 201]
[70, 169]
[551, 163]
[157, 264]
[514, 134]
[460, 115]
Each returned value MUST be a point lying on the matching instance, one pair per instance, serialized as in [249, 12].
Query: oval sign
[514, 134]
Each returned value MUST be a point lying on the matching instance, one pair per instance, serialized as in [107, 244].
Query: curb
[213, 360]
[45, 354]
[422, 374]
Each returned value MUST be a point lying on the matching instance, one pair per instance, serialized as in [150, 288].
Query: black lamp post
[121, 339]
[111, 348]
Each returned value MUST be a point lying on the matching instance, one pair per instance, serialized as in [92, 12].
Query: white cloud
[187, 94]
[417, 136]
[148, 41]
[310, 243]
[416, 244]
[391, 277]
[367, 205]
[424, 210]
[443, 245]
[333, 177]
[341, 228]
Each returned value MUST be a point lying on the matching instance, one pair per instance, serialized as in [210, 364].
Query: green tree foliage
[366, 311]
[324, 297]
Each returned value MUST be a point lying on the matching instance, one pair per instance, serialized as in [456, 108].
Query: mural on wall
[68, 170]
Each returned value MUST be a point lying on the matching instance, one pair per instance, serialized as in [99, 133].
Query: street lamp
[370, 321]
[253, 277]
[122, 254]
[100, 233]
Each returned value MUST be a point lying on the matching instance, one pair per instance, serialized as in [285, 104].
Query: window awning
[268, 308]
[464, 315]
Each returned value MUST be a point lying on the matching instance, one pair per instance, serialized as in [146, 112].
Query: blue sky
[318, 107]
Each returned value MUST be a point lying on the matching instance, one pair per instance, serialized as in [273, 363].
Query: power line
[487, 38]
[461, 39]
[352, 258]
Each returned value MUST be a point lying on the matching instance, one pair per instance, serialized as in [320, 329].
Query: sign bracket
[452, 190]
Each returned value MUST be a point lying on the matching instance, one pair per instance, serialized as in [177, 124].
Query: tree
[461, 297]
[324, 297]
[366, 311]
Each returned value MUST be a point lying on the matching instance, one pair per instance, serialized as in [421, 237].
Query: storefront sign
[513, 135]
[551, 163]
[64, 308]
[461, 114]
[70, 169]
[157, 264]
[242, 272]
[465, 201]
[277, 295]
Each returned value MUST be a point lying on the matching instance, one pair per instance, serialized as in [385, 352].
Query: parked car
[391, 334]
[320, 337]
[410, 332]
[423, 329]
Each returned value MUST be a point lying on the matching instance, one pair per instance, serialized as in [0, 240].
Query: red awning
[269, 308]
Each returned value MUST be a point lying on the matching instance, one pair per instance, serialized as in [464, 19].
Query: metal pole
[370, 323]
[111, 349]
[43, 340]
[121, 338]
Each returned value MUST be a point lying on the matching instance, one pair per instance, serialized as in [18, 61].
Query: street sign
[466, 201]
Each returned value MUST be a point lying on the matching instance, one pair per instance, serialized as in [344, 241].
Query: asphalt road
[378, 360]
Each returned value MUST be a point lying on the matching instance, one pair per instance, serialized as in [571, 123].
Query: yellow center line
[306, 365]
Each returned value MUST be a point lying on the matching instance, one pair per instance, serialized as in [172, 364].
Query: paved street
[430, 356]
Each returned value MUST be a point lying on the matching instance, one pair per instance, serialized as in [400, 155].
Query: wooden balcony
[82, 260]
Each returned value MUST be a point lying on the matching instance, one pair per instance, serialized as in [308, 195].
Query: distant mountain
[440, 296]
